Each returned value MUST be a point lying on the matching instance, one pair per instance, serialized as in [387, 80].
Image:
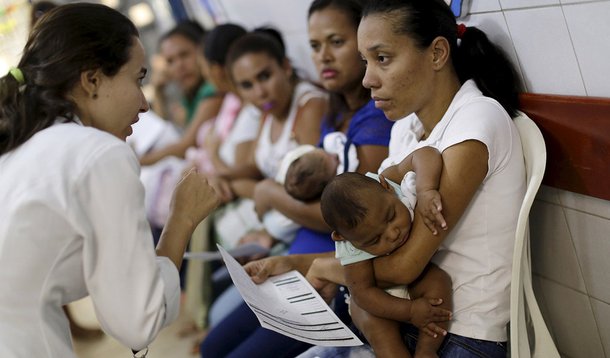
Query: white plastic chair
[529, 335]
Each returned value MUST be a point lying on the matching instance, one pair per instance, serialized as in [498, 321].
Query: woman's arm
[270, 195]
[242, 151]
[465, 167]
[206, 110]
[307, 125]
[370, 157]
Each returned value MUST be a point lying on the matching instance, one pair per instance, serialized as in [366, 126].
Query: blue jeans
[455, 346]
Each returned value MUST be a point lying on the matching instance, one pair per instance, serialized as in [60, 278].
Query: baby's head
[307, 175]
[365, 213]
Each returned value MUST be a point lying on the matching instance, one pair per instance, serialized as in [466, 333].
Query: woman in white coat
[71, 203]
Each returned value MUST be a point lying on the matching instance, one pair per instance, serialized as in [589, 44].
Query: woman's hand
[193, 198]
[430, 207]
[222, 188]
[260, 270]
[425, 314]
[262, 197]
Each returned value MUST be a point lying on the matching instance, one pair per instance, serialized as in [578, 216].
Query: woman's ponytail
[479, 59]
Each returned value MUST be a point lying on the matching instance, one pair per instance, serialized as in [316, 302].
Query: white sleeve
[486, 122]
[134, 292]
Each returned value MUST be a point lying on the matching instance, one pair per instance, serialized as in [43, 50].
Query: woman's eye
[264, 76]
[337, 43]
[245, 85]
[382, 59]
[314, 46]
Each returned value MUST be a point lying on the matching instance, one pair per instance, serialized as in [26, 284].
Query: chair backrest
[529, 336]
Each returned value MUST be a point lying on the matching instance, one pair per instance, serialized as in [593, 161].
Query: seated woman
[332, 30]
[201, 101]
[292, 110]
[464, 93]
[220, 142]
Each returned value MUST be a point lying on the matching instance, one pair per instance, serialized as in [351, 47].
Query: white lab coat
[72, 224]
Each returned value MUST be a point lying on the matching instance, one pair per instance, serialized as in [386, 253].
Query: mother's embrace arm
[464, 168]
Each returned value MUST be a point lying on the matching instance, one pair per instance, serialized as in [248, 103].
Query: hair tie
[17, 75]
[461, 30]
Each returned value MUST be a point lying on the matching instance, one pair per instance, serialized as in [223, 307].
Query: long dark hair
[353, 10]
[474, 58]
[65, 42]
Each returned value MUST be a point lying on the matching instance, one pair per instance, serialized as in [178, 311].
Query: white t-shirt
[244, 129]
[73, 224]
[268, 155]
[478, 251]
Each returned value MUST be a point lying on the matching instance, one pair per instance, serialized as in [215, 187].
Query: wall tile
[553, 254]
[518, 4]
[573, 322]
[601, 310]
[592, 243]
[588, 204]
[548, 194]
[274, 14]
[477, 6]
[545, 51]
[589, 28]
[494, 25]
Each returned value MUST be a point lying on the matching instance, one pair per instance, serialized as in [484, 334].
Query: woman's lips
[267, 106]
[328, 74]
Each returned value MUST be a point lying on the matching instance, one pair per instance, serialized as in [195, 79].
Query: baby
[304, 172]
[371, 216]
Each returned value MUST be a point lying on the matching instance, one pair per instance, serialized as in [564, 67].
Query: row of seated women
[266, 112]
[254, 118]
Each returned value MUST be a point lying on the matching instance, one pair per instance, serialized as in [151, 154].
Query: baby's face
[385, 227]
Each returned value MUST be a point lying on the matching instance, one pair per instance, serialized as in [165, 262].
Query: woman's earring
[94, 96]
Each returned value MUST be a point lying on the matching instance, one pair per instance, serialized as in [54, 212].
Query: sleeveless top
[269, 155]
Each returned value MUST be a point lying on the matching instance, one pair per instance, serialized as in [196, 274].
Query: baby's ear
[336, 236]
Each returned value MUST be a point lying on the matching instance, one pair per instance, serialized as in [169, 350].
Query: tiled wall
[559, 47]
[563, 47]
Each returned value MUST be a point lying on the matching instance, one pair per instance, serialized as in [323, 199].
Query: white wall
[559, 47]
[563, 47]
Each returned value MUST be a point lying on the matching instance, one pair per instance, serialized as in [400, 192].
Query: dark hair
[474, 58]
[219, 40]
[68, 40]
[343, 201]
[273, 33]
[189, 29]
[337, 103]
[304, 179]
[256, 42]
[38, 9]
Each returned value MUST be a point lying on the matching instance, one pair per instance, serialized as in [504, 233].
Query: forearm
[305, 214]
[244, 171]
[243, 188]
[175, 238]
[427, 163]
[381, 304]
[176, 150]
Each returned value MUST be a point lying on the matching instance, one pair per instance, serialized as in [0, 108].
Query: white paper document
[289, 305]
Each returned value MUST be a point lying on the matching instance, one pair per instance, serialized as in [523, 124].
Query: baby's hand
[425, 314]
[429, 206]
